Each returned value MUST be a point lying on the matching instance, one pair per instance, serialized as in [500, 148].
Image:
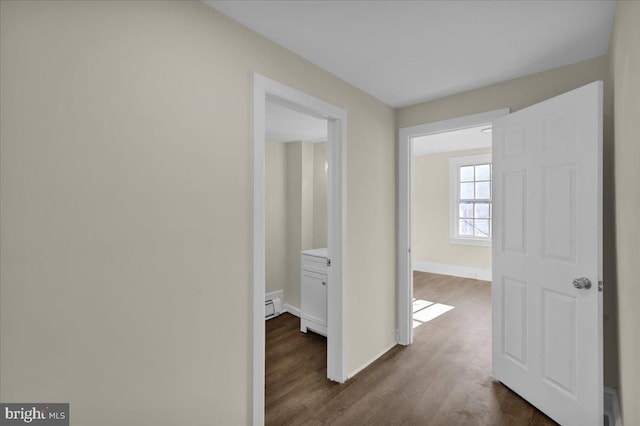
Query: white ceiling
[455, 140]
[406, 52]
[286, 125]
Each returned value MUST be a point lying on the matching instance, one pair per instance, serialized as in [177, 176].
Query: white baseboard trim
[612, 407]
[278, 294]
[293, 311]
[366, 364]
[455, 270]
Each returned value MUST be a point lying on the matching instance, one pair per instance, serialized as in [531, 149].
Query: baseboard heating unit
[272, 308]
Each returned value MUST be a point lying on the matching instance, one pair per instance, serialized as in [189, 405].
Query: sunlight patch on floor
[424, 311]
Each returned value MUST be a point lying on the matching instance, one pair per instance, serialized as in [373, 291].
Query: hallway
[444, 378]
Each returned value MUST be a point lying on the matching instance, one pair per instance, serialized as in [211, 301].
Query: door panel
[515, 196]
[559, 336]
[558, 207]
[515, 320]
[547, 342]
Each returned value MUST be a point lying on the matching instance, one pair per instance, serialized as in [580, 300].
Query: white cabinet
[313, 291]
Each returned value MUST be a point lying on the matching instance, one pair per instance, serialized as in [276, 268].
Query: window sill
[470, 242]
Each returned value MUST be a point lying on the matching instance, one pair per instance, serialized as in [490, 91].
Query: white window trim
[454, 192]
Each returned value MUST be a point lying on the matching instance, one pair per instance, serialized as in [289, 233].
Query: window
[470, 200]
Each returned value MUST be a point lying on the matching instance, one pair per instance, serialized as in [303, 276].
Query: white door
[547, 332]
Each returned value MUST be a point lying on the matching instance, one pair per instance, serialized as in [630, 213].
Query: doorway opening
[269, 91]
[450, 214]
[546, 316]
[296, 253]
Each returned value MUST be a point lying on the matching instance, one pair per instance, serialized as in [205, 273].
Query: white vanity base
[313, 291]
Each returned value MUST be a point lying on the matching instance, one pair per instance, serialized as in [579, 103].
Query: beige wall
[294, 221]
[126, 171]
[296, 211]
[299, 157]
[520, 93]
[624, 49]
[515, 94]
[430, 215]
[275, 216]
[306, 187]
[319, 195]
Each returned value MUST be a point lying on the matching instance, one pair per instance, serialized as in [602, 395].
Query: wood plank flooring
[444, 378]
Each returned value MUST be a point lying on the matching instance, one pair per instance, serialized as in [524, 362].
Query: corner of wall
[624, 61]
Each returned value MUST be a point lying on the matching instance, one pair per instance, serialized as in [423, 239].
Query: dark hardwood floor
[444, 378]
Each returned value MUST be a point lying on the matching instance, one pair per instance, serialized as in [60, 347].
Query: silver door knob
[582, 283]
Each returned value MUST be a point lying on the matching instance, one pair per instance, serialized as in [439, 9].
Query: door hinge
[600, 285]
[328, 262]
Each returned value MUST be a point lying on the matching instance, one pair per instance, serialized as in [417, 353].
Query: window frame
[454, 199]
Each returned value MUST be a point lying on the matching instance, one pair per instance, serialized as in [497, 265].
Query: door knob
[582, 283]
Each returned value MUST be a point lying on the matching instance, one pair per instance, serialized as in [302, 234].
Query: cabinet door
[314, 297]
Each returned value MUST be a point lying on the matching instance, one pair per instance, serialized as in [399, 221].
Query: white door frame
[405, 171]
[266, 89]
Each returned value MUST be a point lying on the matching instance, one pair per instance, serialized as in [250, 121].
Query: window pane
[466, 173]
[482, 228]
[466, 190]
[482, 211]
[483, 190]
[465, 227]
[466, 210]
[483, 172]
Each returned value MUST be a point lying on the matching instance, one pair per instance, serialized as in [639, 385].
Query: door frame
[266, 89]
[404, 332]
